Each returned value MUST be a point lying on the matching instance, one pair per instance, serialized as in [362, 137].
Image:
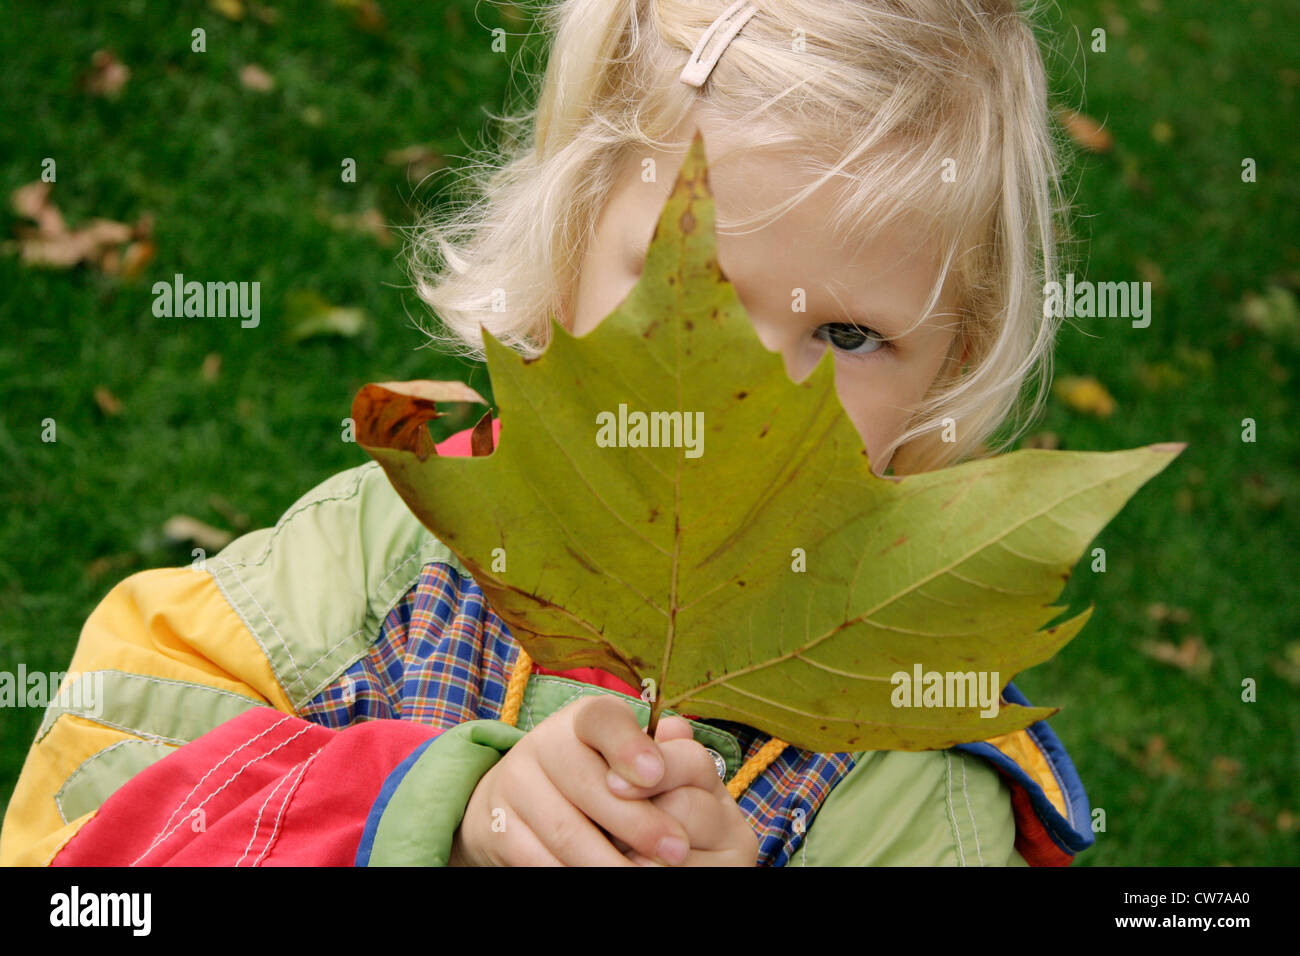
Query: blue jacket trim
[1073, 834]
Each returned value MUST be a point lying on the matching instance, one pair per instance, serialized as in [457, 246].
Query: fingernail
[672, 850]
[649, 769]
[618, 784]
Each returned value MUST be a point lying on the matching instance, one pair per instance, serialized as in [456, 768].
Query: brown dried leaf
[108, 403]
[1190, 656]
[137, 255]
[419, 160]
[230, 9]
[253, 77]
[183, 528]
[1085, 131]
[211, 366]
[107, 75]
[480, 439]
[401, 411]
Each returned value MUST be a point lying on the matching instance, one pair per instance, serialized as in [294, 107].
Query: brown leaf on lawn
[1223, 771]
[1190, 656]
[108, 403]
[54, 245]
[253, 77]
[230, 9]
[1161, 612]
[33, 202]
[110, 562]
[370, 221]
[365, 14]
[1085, 131]
[136, 256]
[268, 15]
[1286, 821]
[1156, 760]
[1287, 666]
[1247, 810]
[211, 366]
[184, 529]
[1085, 394]
[107, 75]
[419, 159]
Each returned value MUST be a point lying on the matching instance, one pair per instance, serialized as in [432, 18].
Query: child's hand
[694, 794]
[549, 799]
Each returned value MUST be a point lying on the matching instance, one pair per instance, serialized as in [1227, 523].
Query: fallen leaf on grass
[107, 75]
[1085, 131]
[255, 78]
[309, 315]
[185, 530]
[369, 221]
[1190, 656]
[108, 402]
[1223, 772]
[109, 563]
[230, 9]
[1275, 314]
[1085, 394]
[1159, 612]
[53, 245]
[211, 366]
[419, 160]
[366, 14]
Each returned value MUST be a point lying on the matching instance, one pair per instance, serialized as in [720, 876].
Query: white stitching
[974, 827]
[358, 477]
[86, 763]
[280, 637]
[235, 776]
[258, 822]
[309, 692]
[252, 701]
[284, 806]
[210, 772]
[952, 816]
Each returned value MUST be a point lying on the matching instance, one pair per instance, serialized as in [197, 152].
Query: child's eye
[850, 339]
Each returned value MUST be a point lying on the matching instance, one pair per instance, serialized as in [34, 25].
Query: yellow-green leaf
[753, 568]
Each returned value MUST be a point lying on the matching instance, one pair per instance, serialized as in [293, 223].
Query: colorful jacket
[327, 692]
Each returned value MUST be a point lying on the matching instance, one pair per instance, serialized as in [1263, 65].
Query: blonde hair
[898, 91]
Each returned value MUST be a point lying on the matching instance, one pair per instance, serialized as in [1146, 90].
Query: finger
[609, 727]
[710, 823]
[673, 728]
[560, 826]
[578, 773]
[686, 764]
[521, 847]
[697, 858]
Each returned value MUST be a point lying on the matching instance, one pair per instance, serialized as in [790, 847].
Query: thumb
[673, 728]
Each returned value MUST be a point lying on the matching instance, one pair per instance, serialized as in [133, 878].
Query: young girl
[336, 690]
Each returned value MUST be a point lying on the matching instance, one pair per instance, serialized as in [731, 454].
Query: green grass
[235, 180]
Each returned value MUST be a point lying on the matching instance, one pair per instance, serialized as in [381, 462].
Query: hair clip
[724, 29]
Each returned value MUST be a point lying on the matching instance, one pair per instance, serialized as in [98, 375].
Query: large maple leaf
[751, 567]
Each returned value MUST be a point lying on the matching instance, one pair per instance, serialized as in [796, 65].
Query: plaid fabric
[443, 657]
